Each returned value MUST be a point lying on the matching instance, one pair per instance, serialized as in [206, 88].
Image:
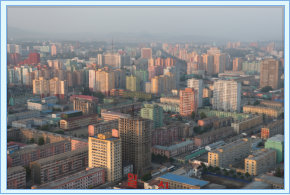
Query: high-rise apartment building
[227, 95]
[220, 60]
[163, 83]
[135, 134]
[188, 101]
[197, 84]
[146, 53]
[41, 87]
[58, 88]
[213, 50]
[53, 50]
[102, 80]
[154, 113]
[100, 59]
[132, 83]
[237, 64]
[270, 73]
[112, 59]
[105, 151]
[208, 61]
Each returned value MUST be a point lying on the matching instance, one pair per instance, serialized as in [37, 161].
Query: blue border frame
[140, 6]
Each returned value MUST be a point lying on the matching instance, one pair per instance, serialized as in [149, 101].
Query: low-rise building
[260, 161]
[228, 154]
[173, 150]
[77, 122]
[25, 156]
[275, 182]
[213, 136]
[241, 125]
[169, 107]
[86, 104]
[272, 104]
[111, 115]
[16, 178]
[181, 182]
[215, 122]
[165, 135]
[271, 112]
[22, 115]
[34, 104]
[86, 179]
[25, 123]
[274, 128]
[57, 166]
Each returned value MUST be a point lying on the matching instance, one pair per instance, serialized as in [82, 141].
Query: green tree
[257, 102]
[278, 172]
[146, 177]
[210, 168]
[281, 116]
[193, 115]
[266, 89]
[202, 115]
[32, 141]
[247, 174]
[28, 172]
[41, 141]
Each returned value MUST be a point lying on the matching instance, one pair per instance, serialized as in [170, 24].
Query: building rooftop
[34, 147]
[176, 146]
[259, 153]
[72, 177]
[16, 169]
[257, 185]
[270, 179]
[276, 138]
[71, 111]
[80, 117]
[62, 156]
[87, 97]
[184, 179]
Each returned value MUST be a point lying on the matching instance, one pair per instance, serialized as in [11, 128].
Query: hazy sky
[243, 23]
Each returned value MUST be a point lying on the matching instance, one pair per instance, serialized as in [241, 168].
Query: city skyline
[145, 98]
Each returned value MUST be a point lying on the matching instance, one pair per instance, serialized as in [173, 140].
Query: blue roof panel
[183, 179]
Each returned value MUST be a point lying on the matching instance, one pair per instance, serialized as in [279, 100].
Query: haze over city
[138, 23]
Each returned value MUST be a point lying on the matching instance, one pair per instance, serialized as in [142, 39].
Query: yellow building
[260, 161]
[229, 154]
[40, 87]
[58, 88]
[105, 151]
[272, 112]
[132, 83]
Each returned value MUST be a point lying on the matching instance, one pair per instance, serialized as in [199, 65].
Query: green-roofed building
[277, 143]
